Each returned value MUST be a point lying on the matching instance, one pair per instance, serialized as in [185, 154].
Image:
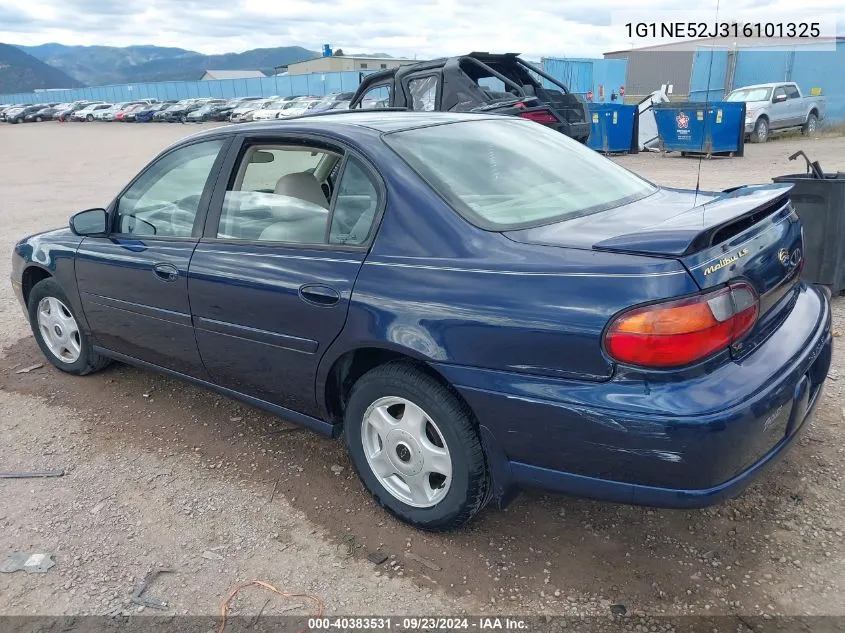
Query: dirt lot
[166, 475]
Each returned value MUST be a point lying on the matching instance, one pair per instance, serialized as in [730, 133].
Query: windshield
[506, 174]
[751, 94]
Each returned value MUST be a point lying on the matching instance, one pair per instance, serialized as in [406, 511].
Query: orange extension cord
[224, 606]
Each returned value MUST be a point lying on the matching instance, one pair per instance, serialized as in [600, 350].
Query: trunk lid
[749, 232]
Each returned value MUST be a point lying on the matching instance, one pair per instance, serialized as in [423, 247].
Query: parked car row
[236, 110]
[76, 111]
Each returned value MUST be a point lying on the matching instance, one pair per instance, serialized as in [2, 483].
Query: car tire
[810, 125]
[443, 438]
[38, 119]
[761, 131]
[89, 118]
[50, 312]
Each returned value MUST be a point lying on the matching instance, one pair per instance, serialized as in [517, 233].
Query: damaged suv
[478, 82]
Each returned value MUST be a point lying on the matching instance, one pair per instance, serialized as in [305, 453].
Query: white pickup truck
[776, 107]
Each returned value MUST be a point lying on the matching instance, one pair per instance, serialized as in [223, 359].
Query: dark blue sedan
[477, 304]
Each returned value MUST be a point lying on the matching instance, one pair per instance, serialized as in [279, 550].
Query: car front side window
[164, 200]
[375, 97]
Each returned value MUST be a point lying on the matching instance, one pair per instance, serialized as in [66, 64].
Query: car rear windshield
[506, 174]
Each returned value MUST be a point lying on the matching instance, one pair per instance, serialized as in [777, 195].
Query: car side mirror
[89, 222]
[779, 98]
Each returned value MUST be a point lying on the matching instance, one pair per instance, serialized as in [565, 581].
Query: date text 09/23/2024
[408, 623]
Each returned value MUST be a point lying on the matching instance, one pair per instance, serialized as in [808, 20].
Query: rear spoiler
[729, 213]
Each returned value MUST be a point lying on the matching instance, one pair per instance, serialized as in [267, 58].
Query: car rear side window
[423, 91]
[506, 173]
[355, 206]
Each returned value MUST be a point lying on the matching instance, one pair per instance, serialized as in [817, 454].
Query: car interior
[284, 194]
[277, 194]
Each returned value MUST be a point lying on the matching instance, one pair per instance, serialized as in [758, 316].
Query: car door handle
[166, 272]
[319, 294]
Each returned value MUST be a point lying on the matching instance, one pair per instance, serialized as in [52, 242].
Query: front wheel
[416, 448]
[89, 118]
[57, 331]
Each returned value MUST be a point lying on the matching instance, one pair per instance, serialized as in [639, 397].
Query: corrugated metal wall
[808, 68]
[648, 70]
[584, 75]
[706, 63]
[313, 84]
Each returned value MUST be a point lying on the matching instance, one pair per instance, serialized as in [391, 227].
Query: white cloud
[421, 28]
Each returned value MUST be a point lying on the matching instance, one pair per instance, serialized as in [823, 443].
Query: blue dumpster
[701, 128]
[613, 128]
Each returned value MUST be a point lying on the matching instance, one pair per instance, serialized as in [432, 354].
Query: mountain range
[20, 72]
[23, 68]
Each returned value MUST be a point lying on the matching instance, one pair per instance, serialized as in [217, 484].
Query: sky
[412, 28]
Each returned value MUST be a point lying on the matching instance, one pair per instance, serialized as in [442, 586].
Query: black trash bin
[820, 203]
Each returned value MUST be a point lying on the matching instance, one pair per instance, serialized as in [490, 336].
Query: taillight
[539, 116]
[683, 331]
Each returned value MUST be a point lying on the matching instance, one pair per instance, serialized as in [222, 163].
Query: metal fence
[599, 76]
[283, 85]
[810, 69]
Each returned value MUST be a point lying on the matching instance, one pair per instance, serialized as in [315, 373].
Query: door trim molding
[161, 314]
[256, 335]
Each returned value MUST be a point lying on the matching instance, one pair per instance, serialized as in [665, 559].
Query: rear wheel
[57, 331]
[761, 131]
[811, 124]
[416, 448]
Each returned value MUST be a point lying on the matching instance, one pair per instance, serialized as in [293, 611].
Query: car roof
[401, 71]
[347, 122]
[774, 84]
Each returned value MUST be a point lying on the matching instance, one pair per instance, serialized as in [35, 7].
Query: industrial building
[711, 71]
[341, 63]
[651, 67]
[212, 75]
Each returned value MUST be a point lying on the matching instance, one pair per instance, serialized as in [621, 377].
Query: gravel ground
[162, 474]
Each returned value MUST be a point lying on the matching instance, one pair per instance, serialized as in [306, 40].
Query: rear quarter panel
[439, 289]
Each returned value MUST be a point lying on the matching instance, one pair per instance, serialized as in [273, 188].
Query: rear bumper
[677, 444]
[528, 476]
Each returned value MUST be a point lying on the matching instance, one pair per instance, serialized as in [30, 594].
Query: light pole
[276, 70]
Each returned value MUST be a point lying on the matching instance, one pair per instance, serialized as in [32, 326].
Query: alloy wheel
[59, 330]
[407, 452]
